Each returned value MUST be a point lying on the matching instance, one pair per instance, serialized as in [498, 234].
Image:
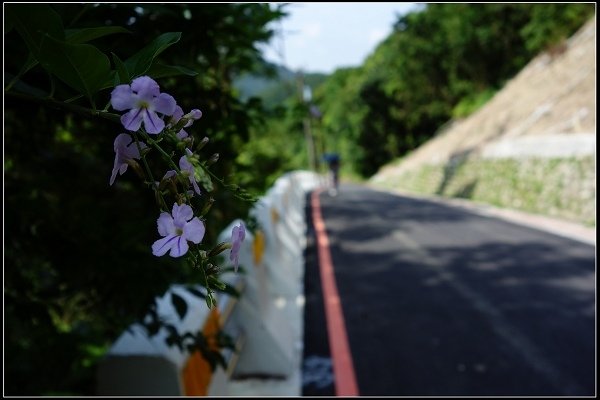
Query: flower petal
[194, 230]
[152, 123]
[177, 114]
[114, 172]
[121, 142]
[182, 134]
[238, 233]
[122, 98]
[182, 214]
[165, 224]
[145, 87]
[179, 248]
[192, 115]
[131, 151]
[161, 246]
[242, 232]
[169, 174]
[165, 104]
[186, 165]
[234, 256]
[132, 120]
[195, 185]
[195, 114]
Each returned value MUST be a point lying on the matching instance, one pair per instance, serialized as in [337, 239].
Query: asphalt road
[442, 302]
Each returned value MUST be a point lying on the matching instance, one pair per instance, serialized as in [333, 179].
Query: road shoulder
[552, 225]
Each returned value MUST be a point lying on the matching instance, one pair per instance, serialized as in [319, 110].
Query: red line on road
[343, 368]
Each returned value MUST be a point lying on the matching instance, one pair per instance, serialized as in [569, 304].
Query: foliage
[553, 23]
[78, 266]
[468, 105]
[342, 115]
[277, 145]
[441, 61]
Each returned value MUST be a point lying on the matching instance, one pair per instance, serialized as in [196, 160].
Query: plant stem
[149, 172]
[169, 160]
[208, 291]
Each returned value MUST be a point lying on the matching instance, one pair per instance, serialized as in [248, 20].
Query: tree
[78, 262]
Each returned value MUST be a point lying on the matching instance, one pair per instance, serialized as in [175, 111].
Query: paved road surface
[439, 301]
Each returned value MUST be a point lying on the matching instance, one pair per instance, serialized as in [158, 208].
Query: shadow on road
[439, 301]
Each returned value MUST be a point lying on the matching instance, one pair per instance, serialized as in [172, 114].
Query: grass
[558, 187]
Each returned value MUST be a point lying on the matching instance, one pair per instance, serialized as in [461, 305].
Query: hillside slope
[531, 147]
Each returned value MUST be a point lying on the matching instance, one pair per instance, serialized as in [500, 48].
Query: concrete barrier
[266, 321]
[139, 364]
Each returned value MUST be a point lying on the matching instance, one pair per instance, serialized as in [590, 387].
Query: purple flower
[191, 116]
[238, 233]
[125, 152]
[177, 229]
[144, 100]
[181, 135]
[187, 167]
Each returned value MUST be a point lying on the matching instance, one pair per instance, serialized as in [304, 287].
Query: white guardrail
[266, 322]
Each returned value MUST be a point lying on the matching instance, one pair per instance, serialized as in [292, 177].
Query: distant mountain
[274, 84]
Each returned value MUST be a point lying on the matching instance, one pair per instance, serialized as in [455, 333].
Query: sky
[321, 37]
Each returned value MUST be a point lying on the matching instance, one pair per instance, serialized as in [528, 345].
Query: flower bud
[189, 118]
[216, 283]
[157, 197]
[202, 143]
[194, 114]
[207, 206]
[209, 300]
[202, 254]
[212, 269]
[179, 125]
[145, 150]
[136, 167]
[181, 145]
[213, 159]
[169, 179]
[218, 249]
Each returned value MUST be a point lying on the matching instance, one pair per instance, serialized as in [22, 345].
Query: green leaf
[161, 71]
[139, 63]
[122, 72]
[35, 22]
[179, 304]
[81, 66]
[204, 179]
[79, 36]
[230, 290]
[216, 283]
[20, 86]
[30, 63]
[209, 301]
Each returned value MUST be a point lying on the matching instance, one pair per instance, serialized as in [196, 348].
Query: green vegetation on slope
[441, 62]
[557, 187]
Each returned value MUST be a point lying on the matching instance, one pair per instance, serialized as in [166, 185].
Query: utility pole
[308, 136]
